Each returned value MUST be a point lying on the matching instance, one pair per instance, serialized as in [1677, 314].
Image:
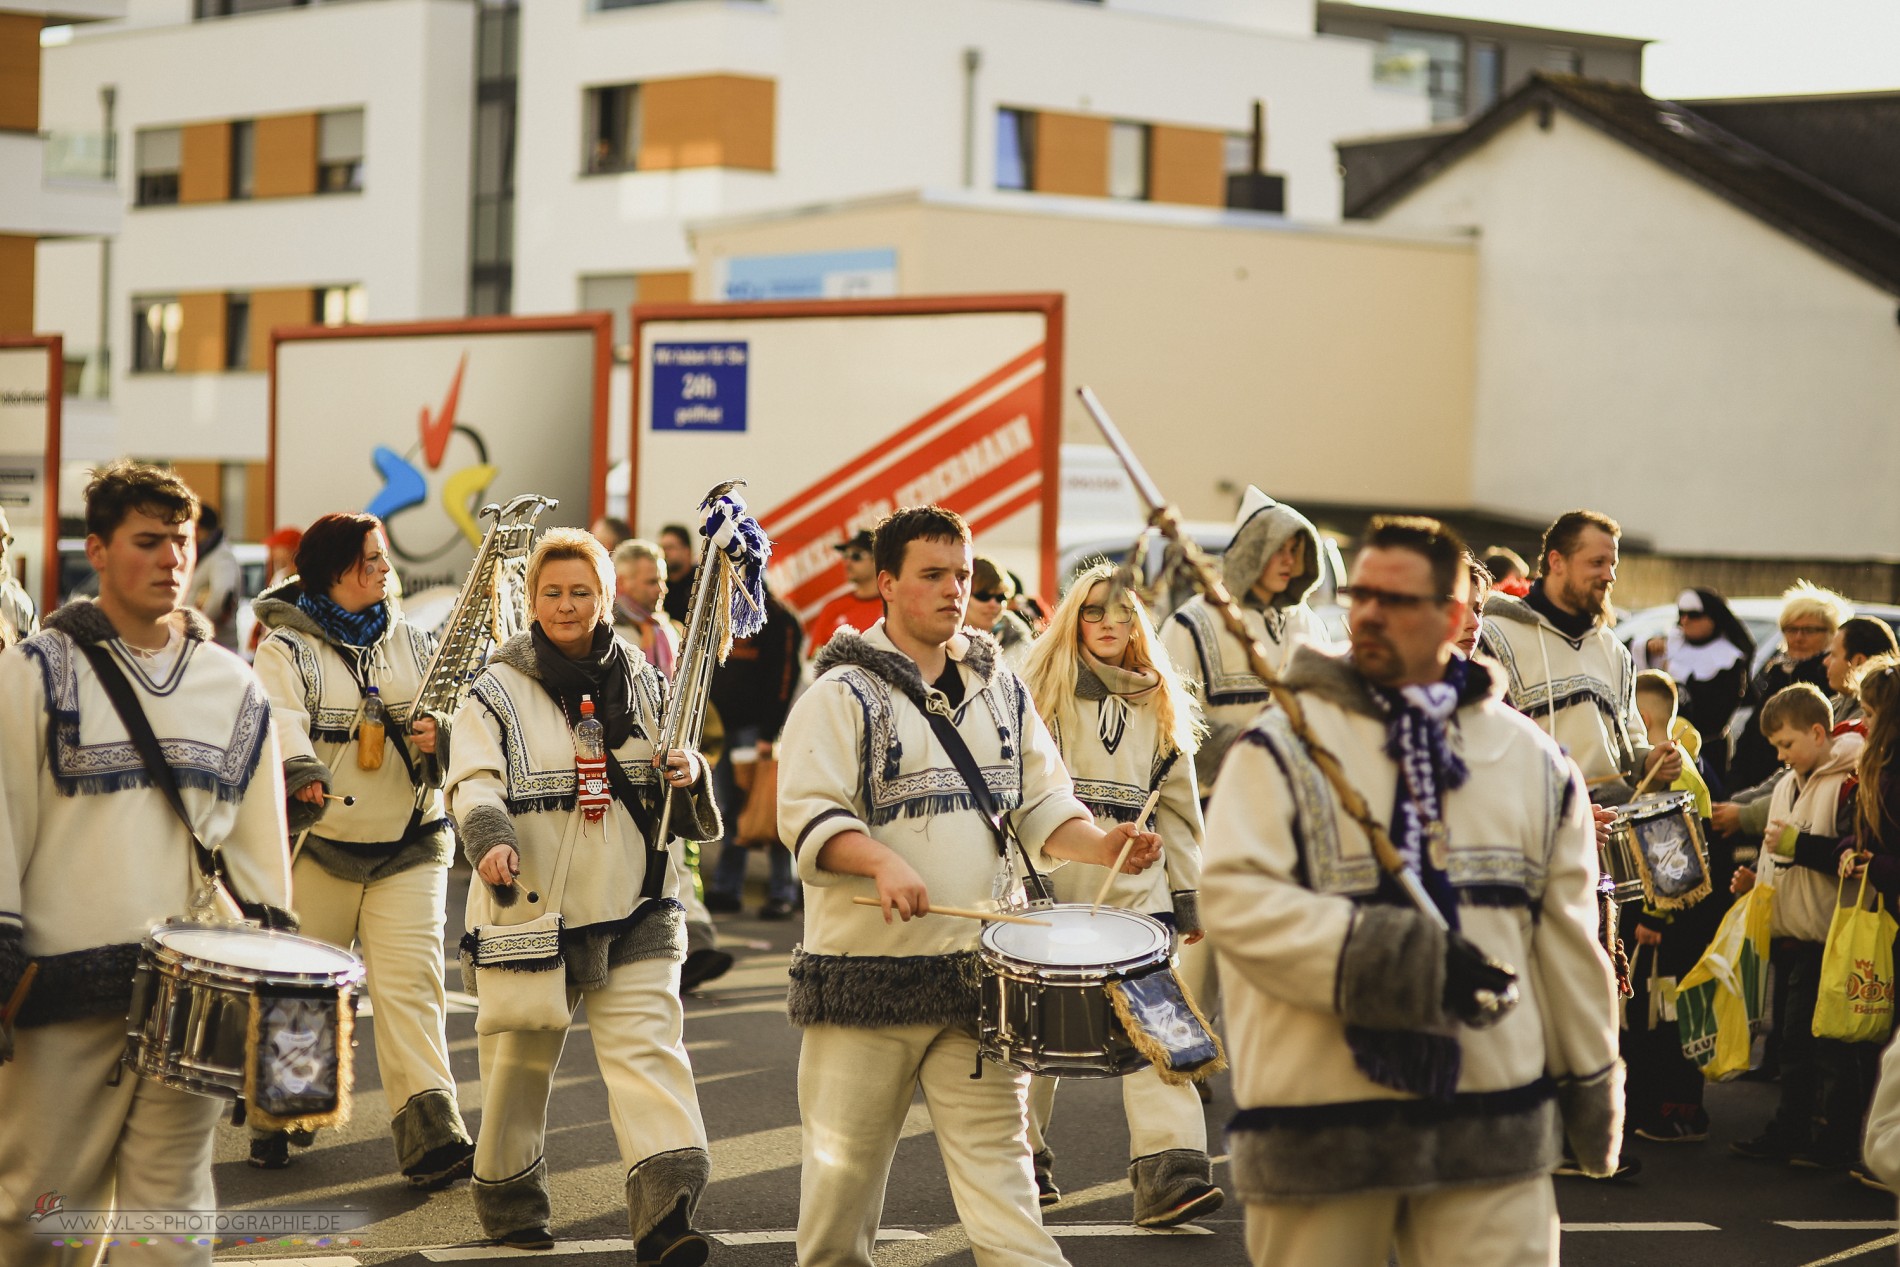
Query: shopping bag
[1721, 1001]
[1855, 1003]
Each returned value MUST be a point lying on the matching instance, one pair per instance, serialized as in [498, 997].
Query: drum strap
[960, 757]
[126, 704]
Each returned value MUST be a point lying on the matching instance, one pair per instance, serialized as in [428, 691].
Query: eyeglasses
[1363, 595]
[1095, 614]
[857, 556]
[1805, 630]
[989, 596]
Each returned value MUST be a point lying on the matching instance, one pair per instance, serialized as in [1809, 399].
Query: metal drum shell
[1624, 858]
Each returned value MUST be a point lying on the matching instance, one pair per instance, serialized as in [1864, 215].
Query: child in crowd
[1664, 1094]
[1818, 1117]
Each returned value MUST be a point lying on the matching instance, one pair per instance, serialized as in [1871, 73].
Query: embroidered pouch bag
[520, 976]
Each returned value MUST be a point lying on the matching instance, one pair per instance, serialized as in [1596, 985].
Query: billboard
[836, 413]
[423, 424]
[31, 374]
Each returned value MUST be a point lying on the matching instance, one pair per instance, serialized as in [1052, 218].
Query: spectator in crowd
[610, 531]
[216, 580]
[639, 616]
[1872, 848]
[859, 607]
[990, 592]
[1709, 654]
[1467, 640]
[1809, 617]
[280, 554]
[1509, 573]
[19, 618]
[1858, 640]
[1033, 611]
[676, 545]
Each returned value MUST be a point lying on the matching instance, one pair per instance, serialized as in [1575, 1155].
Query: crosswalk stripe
[327, 1260]
[1641, 1227]
[1837, 1225]
[1066, 1230]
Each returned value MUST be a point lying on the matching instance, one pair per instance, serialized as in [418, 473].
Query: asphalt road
[1693, 1204]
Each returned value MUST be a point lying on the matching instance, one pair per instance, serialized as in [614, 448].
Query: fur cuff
[81, 984]
[1163, 1181]
[1318, 1151]
[484, 827]
[1187, 911]
[1392, 970]
[300, 773]
[514, 1204]
[427, 1122]
[877, 992]
[661, 1182]
[13, 958]
[1592, 1110]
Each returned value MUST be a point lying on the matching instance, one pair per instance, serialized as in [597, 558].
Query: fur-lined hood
[874, 652]
[277, 608]
[518, 654]
[1334, 679]
[85, 622]
[1502, 606]
[1263, 531]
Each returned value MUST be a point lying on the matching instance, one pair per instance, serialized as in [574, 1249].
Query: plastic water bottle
[590, 764]
[373, 733]
[590, 740]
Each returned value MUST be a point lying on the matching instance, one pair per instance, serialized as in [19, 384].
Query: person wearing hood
[1709, 655]
[529, 825]
[370, 842]
[1270, 568]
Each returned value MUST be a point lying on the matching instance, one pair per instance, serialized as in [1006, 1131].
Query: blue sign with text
[699, 386]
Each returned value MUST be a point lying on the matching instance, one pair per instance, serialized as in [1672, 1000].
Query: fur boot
[513, 1205]
[1172, 1187]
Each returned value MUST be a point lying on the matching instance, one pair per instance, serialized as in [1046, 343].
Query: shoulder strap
[965, 763]
[125, 702]
[642, 814]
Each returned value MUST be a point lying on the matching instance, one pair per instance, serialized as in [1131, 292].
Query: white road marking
[789, 1237]
[1884, 1242]
[620, 1245]
[1837, 1225]
[1641, 1227]
[328, 1260]
[1066, 1230]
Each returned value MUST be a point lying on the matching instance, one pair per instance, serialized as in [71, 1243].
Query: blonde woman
[1126, 724]
[512, 789]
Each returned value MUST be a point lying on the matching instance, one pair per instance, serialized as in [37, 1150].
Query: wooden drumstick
[347, 800]
[1651, 775]
[1121, 858]
[963, 912]
[18, 997]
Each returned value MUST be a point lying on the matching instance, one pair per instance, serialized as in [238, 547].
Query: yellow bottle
[372, 734]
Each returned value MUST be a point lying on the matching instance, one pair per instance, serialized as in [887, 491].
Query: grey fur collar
[848, 646]
[1498, 606]
[1265, 531]
[1333, 679]
[518, 654]
[277, 608]
[84, 622]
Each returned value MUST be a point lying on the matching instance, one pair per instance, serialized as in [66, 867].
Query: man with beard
[1386, 1103]
[1564, 667]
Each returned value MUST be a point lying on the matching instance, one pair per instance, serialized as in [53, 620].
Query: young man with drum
[92, 857]
[1389, 1100]
[372, 840]
[875, 807]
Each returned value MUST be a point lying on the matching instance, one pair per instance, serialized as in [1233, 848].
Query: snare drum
[192, 1002]
[1657, 853]
[1044, 1009]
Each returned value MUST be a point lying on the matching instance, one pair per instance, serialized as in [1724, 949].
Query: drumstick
[18, 997]
[1121, 858]
[1652, 773]
[963, 912]
[347, 800]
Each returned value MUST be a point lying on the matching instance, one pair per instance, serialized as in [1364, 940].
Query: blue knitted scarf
[350, 629]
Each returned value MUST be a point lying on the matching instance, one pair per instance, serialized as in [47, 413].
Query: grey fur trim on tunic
[1392, 970]
[1333, 678]
[433, 845]
[1592, 1110]
[484, 827]
[659, 1183]
[1409, 1146]
[655, 930]
[878, 991]
[513, 1204]
[848, 646]
[81, 984]
[1187, 911]
[84, 621]
[1265, 531]
[427, 1122]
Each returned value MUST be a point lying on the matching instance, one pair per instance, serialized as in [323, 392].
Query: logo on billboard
[448, 454]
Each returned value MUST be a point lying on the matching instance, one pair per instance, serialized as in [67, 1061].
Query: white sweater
[1215, 663]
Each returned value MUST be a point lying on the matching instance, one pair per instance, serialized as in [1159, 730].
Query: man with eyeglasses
[1381, 1109]
[859, 607]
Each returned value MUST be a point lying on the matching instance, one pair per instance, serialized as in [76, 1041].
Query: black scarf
[1573, 627]
[605, 672]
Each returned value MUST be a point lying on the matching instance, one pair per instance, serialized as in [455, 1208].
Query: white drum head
[1076, 939]
[256, 950]
[1658, 805]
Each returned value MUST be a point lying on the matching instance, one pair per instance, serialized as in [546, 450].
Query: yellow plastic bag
[1855, 1004]
[1720, 1002]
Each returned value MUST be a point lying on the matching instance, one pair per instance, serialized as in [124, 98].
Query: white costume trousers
[854, 1089]
[635, 1020]
[396, 925]
[1194, 965]
[1496, 1225]
[65, 1134]
[1160, 1117]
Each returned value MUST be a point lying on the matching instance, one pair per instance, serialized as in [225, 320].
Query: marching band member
[874, 804]
[1125, 724]
[92, 856]
[1371, 1118]
[366, 804]
[514, 792]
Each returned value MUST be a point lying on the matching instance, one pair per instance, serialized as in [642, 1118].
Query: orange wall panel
[201, 334]
[16, 284]
[1187, 165]
[206, 480]
[204, 171]
[664, 288]
[708, 121]
[271, 309]
[1071, 155]
[256, 494]
[286, 156]
[19, 72]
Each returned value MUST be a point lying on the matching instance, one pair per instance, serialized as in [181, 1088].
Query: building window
[1487, 75]
[340, 152]
[615, 293]
[202, 9]
[237, 332]
[155, 325]
[613, 128]
[1565, 61]
[340, 305]
[1015, 149]
[243, 159]
[1427, 60]
[159, 151]
[1128, 161]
